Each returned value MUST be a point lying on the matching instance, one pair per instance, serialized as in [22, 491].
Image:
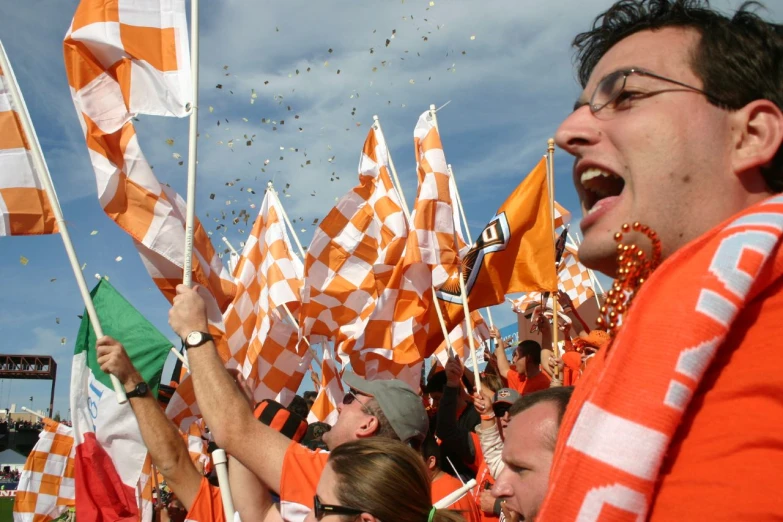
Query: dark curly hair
[738, 59]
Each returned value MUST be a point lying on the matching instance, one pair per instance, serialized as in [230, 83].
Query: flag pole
[406, 211]
[550, 171]
[39, 162]
[463, 293]
[219, 459]
[270, 187]
[190, 213]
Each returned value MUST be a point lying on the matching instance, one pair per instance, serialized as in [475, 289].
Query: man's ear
[431, 463]
[368, 428]
[758, 134]
[366, 517]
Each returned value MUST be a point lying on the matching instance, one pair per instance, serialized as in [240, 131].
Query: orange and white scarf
[612, 442]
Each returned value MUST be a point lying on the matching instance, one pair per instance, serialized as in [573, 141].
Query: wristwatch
[196, 338]
[140, 390]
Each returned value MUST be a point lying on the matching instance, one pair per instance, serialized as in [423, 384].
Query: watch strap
[205, 337]
[140, 390]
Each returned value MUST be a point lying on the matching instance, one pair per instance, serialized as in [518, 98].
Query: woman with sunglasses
[376, 480]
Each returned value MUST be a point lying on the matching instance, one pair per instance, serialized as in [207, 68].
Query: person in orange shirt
[444, 484]
[524, 374]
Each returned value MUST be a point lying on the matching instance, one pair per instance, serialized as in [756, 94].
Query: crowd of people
[671, 411]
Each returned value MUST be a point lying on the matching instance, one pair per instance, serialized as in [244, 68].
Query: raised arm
[500, 352]
[260, 448]
[167, 449]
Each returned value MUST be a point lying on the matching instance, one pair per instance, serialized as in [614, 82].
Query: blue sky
[505, 68]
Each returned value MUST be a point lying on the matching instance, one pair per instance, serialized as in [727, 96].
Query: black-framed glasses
[322, 510]
[500, 409]
[612, 88]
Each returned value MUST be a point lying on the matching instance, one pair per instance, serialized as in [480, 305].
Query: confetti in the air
[23, 260]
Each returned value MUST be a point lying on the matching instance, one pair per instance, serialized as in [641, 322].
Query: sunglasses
[322, 510]
[501, 409]
[350, 397]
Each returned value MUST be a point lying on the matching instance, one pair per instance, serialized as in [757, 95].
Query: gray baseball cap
[399, 403]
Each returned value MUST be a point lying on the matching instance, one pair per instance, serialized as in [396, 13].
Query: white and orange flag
[331, 393]
[354, 249]
[562, 216]
[459, 339]
[260, 334]
[24, 205]
[129, 57]
[47, 484]
[573, 279]
[397, 328]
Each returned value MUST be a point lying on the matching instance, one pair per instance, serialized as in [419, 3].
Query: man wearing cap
[378, 408]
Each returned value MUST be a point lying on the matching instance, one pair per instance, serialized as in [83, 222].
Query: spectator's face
[354, 420]
[527, 453]
[662, 158]
[519, 363]
[435, 398]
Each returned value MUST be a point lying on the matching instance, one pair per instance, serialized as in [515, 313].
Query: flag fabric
[515, 252]
[459, 340]
[129, 57]
[562, 216]
[47, 483]
[24, 205]
[260, 335]
[398, 326]
[331, 393]
[354, 248]
[110, 452]
[573, 279]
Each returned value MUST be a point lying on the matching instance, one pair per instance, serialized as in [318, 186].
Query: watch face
[142, 388]
[194, 338]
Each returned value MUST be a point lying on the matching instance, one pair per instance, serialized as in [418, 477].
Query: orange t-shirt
[302, 470]
[724, 462]
[515, 380]
[465, 505]
[208, 505]
[484, 480]
[534, 384]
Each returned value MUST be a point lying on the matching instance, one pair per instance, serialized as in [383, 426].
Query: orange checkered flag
[129, 57]
[46, 486]
[355, 247]
[269, 278]
[24, 204]
[562, 216]
[331, 393]
[459, 341]
[398, 326]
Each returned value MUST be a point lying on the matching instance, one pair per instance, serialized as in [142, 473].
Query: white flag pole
[46, 179]
[463, 293]
[190, 213]
[550, 170]
[449, 499]
[219, 459]
[406, 211]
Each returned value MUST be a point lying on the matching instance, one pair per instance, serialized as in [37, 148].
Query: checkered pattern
[364, 232]
[562, 216]
[376, 366]
[128, 57]
[459, 341]
[24, 205]
[259, 333]
[331, 393]
[396, 329]
[46, 486]
[573, 278]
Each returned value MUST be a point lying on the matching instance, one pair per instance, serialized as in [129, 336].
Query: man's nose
[502, 488]
[580, 129]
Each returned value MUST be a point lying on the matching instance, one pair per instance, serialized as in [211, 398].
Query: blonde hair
[386, 479]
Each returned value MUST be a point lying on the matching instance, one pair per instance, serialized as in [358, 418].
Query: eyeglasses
[322, 510]
[611, 89]
[501, 409]
[350, 396]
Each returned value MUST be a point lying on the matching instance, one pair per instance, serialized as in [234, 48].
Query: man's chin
[600, 255]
